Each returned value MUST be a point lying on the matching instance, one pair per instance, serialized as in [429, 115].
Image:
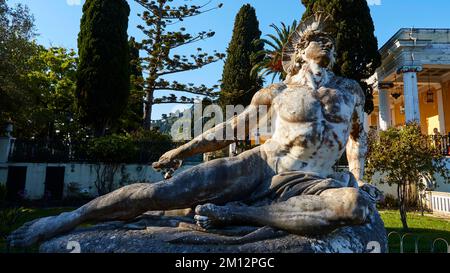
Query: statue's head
[311, 42]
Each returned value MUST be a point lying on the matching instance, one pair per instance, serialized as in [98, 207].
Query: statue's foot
[210, 216]
[39, 230]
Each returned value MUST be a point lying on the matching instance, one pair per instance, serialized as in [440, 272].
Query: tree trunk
[402, 194]
[148, 110]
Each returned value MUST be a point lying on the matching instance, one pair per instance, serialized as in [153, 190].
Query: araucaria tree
[162, 18]
[405, 158]
[238, 83]
[103, 77]
[357, 47]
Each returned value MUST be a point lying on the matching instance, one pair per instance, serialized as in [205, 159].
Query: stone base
[162, 234]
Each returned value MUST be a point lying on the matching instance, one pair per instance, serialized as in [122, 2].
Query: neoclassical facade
[413, 82]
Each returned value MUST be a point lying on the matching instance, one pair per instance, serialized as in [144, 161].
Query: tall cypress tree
[103, 78]
[356, 44]
[132, 118]
[136, 76]
[238, 83]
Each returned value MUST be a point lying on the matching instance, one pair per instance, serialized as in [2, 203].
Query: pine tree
[103, 78]
[161, 17]
[239, 84]
[357, 47]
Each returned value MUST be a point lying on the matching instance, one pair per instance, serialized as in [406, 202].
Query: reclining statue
[287, 183]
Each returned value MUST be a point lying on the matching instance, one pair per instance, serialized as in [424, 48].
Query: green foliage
[149, 144]
[404, 156]
[16, 48]
[238, 83]
[36, 84]
[135, 65]
[113, 148]
[150, 136]
[103, 79]
[52, 83]
[356, 45]
[131, 119]
[271, 58]
[160, 42]
[46, 103]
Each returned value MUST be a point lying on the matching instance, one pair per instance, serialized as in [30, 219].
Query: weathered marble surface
[177, 235]
[289, 179]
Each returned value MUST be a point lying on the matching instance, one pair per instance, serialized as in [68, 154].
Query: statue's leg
[219, 182]
[306, 214]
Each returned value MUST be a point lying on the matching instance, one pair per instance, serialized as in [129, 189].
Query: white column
[232, 150]
[441, 112]
[366, 122]
[412, 111]
[385, 110]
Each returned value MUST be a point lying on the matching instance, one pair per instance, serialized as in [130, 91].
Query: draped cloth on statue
[286, 185]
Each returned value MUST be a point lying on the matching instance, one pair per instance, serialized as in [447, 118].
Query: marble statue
[288, 183]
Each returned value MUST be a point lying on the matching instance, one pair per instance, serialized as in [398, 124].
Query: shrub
[150, 145]
[113, 148]
[405, 157]
[143, 146]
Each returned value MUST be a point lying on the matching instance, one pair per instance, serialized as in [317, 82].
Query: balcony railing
[442, 143]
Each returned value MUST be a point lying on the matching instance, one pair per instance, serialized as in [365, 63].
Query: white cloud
[374, 2]
[73, 2]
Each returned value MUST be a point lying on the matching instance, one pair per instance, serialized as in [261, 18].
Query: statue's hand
[167, 161]
[374, 193]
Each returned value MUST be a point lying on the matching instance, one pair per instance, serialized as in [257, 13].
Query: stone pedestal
[161, 234]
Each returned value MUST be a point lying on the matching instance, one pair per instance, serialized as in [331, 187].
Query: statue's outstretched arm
[207, 142]
[357, 143]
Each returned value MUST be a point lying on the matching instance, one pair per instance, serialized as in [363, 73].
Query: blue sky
[57, 22]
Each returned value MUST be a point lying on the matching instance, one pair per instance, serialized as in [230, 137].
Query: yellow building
[413, 82]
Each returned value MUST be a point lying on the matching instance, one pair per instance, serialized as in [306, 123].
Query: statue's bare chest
[303, 104]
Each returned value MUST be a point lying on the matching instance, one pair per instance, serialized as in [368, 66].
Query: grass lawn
[428, 228]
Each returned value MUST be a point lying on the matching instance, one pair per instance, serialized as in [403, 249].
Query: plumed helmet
[318, 24]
